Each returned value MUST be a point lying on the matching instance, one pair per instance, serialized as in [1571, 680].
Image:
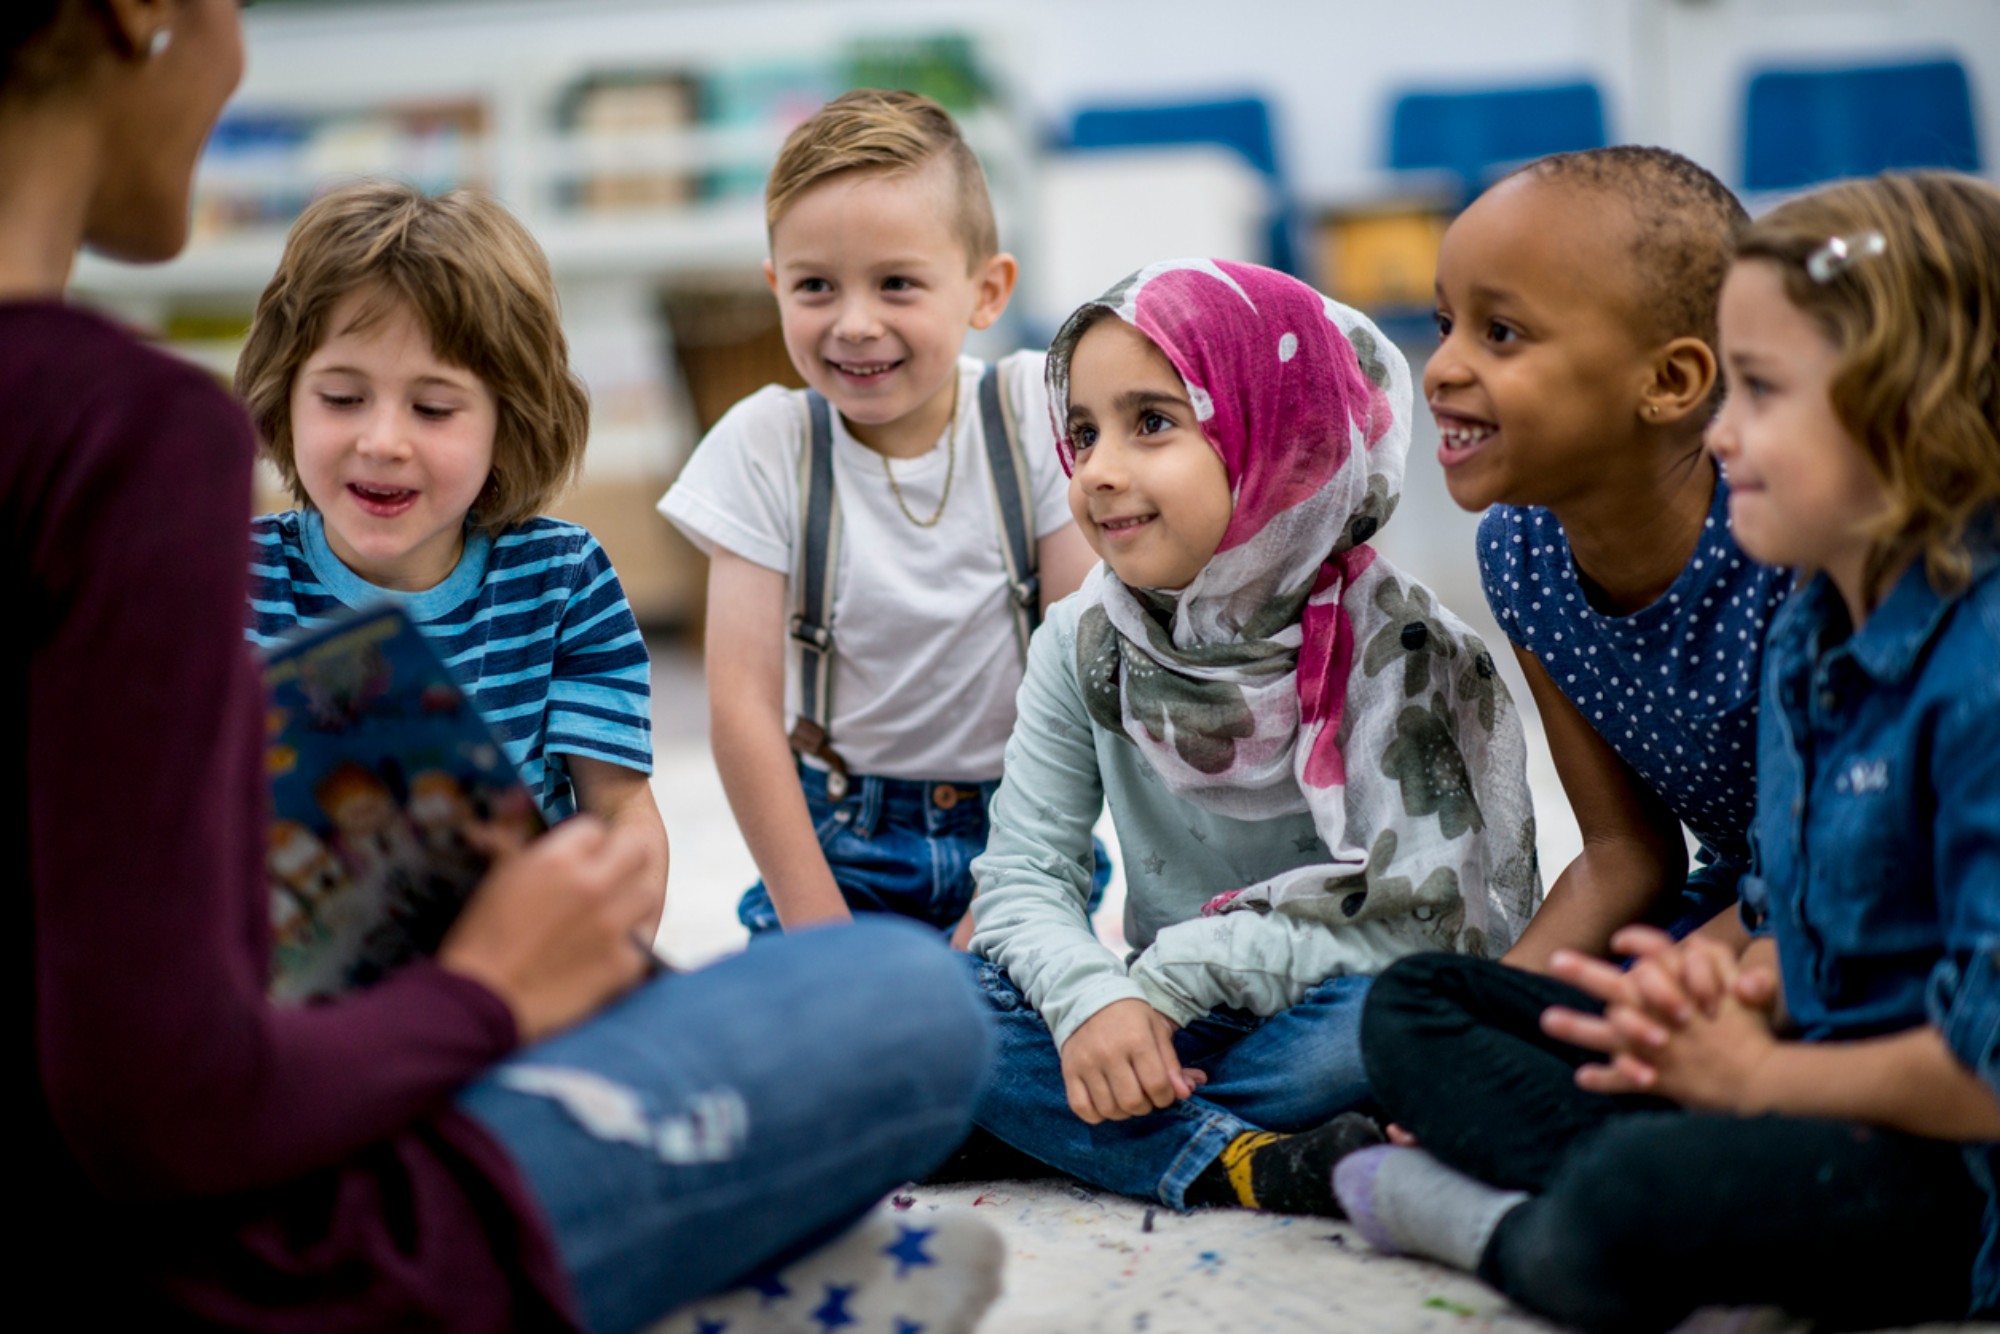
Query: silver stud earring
[161, 39]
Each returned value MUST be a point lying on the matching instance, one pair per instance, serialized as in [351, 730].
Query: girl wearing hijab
[1312, 765]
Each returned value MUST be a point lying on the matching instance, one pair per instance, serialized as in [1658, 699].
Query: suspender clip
[809, 738]
[1028, 593]
[812, 636]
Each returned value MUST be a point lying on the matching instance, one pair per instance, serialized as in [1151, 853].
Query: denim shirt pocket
[1872, 911]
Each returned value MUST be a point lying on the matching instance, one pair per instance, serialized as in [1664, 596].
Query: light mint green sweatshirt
[1034, 878]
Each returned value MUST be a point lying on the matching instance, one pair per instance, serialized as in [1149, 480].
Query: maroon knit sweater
[188, 1144]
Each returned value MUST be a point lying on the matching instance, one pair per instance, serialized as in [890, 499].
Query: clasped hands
[1689, 1021]
[1121, 1063]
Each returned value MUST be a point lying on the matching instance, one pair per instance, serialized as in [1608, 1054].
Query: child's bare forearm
[762, 783]
[623, 798]
[1595, 895]
[1632, 848]
[1726, 928]
[1909, 1081]
[746, 652]
[961, 935]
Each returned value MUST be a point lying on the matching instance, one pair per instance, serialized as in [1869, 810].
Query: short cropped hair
[1685, 227]
[884, 130]
[478, 284]
[1917, 325]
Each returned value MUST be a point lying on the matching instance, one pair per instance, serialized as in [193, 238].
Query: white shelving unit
[518, 62]
[500, 77]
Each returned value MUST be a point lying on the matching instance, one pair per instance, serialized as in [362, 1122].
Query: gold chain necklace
[950, 467]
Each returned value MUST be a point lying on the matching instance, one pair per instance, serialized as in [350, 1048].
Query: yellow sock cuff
[1235, 1158]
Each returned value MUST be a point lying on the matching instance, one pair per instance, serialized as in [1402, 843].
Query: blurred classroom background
[1330, 138]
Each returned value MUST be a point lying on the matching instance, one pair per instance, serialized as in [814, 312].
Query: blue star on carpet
[712, 1327]
[1155, 863]
[833, 1313]
[1305, 843]
[772, 1287]
[908, 1327]
[909, 1249]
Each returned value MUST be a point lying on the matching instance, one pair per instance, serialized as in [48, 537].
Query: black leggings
[1642, 1211]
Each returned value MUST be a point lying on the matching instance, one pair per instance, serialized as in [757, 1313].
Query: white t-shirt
[925, 661]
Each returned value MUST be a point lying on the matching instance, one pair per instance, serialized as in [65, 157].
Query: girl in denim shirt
[1811, 1123]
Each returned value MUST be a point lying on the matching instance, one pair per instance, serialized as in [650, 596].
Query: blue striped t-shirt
[533, 623]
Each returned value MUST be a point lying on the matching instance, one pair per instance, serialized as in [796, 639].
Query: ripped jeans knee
[710, 1126]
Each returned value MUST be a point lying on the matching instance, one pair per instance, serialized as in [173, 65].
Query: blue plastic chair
[1803, 126]
[1242, 123]
[1472, 134]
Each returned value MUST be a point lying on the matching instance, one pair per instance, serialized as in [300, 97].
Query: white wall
[1672, 71]
[1329, 69]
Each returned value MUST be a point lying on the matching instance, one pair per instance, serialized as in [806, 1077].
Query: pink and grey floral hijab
[1300, 670]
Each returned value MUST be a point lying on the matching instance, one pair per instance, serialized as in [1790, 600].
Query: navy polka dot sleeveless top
[1673, 686]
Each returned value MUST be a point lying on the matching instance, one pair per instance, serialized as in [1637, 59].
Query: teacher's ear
[139, 29]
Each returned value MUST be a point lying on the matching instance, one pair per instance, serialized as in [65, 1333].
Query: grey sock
[1405, 1201]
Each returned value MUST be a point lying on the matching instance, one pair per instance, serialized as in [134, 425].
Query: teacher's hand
[554, 929]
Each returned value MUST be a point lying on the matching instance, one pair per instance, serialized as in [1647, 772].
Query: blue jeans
[717, 1121]
[899, 845]
[1295, 1070]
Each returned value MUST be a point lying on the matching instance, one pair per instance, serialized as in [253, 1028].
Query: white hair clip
[1834, 258]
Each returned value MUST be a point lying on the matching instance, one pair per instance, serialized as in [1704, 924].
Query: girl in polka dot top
[1572, 382]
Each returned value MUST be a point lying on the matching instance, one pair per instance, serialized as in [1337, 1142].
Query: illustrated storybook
[377, 763]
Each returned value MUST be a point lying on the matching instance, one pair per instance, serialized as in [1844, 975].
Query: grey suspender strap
[812, 589]
[1014, 503]
[818, 558]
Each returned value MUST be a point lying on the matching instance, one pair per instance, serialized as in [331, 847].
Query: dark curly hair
[1685, 226]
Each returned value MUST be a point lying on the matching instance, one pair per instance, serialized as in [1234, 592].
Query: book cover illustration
[377, 764]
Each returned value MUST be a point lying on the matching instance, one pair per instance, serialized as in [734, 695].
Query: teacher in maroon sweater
[193, 1155]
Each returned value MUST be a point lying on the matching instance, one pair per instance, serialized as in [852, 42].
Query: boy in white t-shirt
[882, 543]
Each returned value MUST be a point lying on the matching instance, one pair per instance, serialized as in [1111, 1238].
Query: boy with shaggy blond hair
[883, 542]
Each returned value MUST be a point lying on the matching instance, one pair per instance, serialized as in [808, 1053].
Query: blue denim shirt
[1876, 844]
